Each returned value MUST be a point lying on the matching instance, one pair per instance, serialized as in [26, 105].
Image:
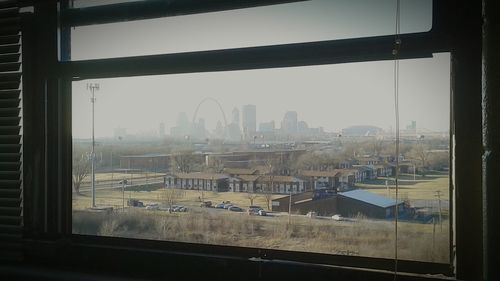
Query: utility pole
[124, 182]
[414, 170]
[92, 87]
[290, 205]
[438, 195]
[112, 172]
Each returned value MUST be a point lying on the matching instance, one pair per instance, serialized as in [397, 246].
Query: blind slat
[9, 39]
[6, 57]
[10, 132]
[12, 66]
[9, 121]
[9, 49]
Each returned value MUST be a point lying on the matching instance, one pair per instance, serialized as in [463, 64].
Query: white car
[337, 218]
[311, 215]
[153, 206]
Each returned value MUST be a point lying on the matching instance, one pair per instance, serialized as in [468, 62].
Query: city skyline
[329, 96]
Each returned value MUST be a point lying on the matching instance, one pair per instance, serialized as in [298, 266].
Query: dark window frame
[53, 80]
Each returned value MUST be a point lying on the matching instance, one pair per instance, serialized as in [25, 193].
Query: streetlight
[92, 87]
[124, 182]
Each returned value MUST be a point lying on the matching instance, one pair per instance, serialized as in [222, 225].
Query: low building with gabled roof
[240, 171]
[316, 180]
[354, 202]
[198, 181]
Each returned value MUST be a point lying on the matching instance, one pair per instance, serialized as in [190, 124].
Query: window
[345, 53]
[282, 125]
[296, 22]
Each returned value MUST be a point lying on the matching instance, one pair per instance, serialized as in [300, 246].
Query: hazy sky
[332, 96]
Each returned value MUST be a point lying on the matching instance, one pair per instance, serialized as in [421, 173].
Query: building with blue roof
[354, 202]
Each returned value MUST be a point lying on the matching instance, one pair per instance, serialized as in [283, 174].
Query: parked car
[311, 214]
[152, 206]
[219, 206]
[206, 204]
[134, 203]
[227, 206]
[337, 217]
[178, 208]
[262, 212]
[235, 209]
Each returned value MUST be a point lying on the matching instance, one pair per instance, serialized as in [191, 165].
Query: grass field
[423, 242]
[113, 197]
[106, 177]
[364, 237]
[423, 188]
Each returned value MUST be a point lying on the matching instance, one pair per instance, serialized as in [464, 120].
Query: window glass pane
[94, 3]
[314, 20]
[173, 151]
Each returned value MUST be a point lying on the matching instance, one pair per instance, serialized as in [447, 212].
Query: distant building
[323, 204]
[249, 120]
[361, 131]
[119, 133]
[266, 127]
[316, 180]
[148, 162]
[354, 202]
[199, 130]
[198, 181]
[302, 127]
[234, 132]
[236, 116]
[183, 125]
[348, 204]
[412, 125]
[161, 130]
[289, 123]
[233, 129]
[219, 131]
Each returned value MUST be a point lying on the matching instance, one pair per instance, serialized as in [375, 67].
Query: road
[117, 184]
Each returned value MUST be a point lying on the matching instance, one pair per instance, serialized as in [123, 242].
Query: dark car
[206, 204]
[235, 209]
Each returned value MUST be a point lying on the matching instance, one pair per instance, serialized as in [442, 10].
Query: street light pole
[92, 87]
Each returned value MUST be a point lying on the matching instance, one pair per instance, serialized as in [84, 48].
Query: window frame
[55, 85]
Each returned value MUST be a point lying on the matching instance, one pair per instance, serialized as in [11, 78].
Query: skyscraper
[289, 124]
[236, 116]
[249, 120]
[161, 130]
[234, 131]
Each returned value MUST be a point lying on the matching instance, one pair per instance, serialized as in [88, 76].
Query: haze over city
[329, 96]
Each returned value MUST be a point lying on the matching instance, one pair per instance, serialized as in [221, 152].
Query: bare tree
[315, 161]
[170, 196]
[251, 196]
[378, 146]
[421, 154]
[216, 166]
[184, 161]
[81, 169]
[267, 191]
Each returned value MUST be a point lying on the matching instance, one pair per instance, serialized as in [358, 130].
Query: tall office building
[249, 120]
[161, 130]
[289, 124]
[236, 116]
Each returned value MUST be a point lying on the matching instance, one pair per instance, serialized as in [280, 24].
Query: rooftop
[199, 175]
[308, 173]
[370, 198]
[236, 171]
